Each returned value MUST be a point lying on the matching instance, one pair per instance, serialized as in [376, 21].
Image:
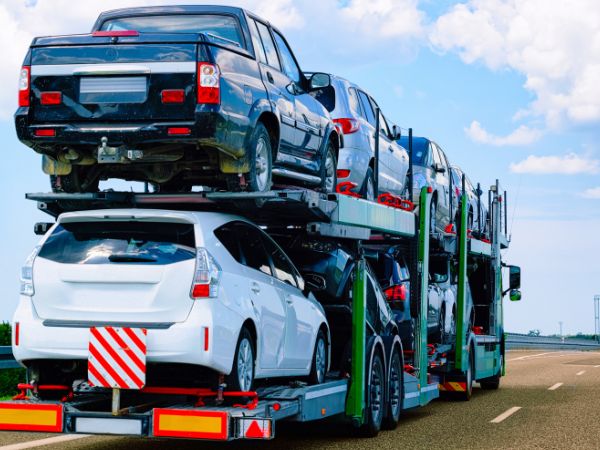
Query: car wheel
[439, 335]
[328, 171]
[259, 179]
[374, 398]
[447, 336]
[395, 394]
[75, 182]
[318, 368]
[368, 188]
[241, 377]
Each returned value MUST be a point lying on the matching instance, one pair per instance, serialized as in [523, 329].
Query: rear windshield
[120, 243]
[217, 27]
[420, 147]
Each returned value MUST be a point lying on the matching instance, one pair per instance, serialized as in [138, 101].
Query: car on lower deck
[214, 292]
[176, 96]
[355, 112]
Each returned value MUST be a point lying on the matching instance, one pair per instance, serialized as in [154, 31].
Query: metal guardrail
[7, 360]
[524, 341]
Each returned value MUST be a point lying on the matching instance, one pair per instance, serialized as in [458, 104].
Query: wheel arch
[269, 120]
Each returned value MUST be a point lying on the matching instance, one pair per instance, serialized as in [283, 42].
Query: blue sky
[509, 92]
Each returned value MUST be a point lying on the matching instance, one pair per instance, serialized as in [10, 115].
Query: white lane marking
[520, 358]
[506, 414]
[580, 373]
[555, 386]
[595, 367]
[47, 441]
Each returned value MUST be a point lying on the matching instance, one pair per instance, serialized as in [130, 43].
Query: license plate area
[113, 89]
[102, 425]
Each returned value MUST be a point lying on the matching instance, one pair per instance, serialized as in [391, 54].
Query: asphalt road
[525, 413]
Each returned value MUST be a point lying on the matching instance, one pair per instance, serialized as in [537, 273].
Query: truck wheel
[241, 377]
[468, 392]
[395, 391]
[375, 400]
[328, 172]
[259, 178]
[319, 360]
[368, 188]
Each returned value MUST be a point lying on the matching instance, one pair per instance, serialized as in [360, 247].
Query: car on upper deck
[176, 96]
[355, 112]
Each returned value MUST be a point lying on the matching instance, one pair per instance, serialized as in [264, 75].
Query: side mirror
[41, 228]
[515, 295]
[514, 278]
[437, 167]
[319, 80]
[396, 133]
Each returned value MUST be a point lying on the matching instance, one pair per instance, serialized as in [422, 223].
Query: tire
[432, 216]
[328, 171]
[466, 395]
[374, 392]
[75, 182]
[438, 336]
[447, 337]
[368, 188]
[394, 391]
[241, 377]
[318, 369]
[493, 383]
[259, 178]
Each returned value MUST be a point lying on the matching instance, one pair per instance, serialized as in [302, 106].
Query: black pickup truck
[176, 96]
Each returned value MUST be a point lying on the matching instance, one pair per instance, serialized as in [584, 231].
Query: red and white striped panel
[117, 357]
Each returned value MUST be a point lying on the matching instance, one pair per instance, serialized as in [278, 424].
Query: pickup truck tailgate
[107, 79]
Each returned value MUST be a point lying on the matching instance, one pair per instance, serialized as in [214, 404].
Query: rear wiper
[131, 257]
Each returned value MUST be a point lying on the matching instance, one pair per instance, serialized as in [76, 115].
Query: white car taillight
[27, 273]
[25, 86]
[209, 83]
[206, 276]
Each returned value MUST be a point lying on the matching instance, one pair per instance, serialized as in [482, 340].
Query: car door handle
[289, 299]
[270, 78]
[391, 149]
[254, 287]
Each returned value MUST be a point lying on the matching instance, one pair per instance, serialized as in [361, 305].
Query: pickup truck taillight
[27, 274]
[25, 86]
[206, 276]
[209, 84]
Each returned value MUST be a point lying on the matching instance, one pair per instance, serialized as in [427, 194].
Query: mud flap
[52, 167]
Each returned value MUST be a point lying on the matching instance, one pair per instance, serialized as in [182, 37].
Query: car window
[228, 237]
[456, 178]
[438, 270]
[367, 109]
[257, 42]
[269, 46]
[436, 156]
[283, 268]
[253, 251]
[119, 242]
[217, 27]
[290, 68]
[443, 157]
[353, 101]
[384, 129]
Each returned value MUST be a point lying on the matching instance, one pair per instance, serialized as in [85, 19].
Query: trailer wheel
[241, 377]
[375, 398]
[395, 391]
[319, 360]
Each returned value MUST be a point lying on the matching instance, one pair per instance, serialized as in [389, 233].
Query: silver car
[354, 111]
[478, 211]
[431, 168]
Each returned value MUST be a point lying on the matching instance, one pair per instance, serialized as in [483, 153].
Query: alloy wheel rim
[395, 386]
[376, 391]
[320, 360]
[370, 194]
[261, 164]
[245, 363]
[329, 173]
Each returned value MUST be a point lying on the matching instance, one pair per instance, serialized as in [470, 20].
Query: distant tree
[534, 333]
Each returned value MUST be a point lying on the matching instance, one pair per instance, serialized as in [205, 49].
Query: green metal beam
[461, 351]
[423, 266]
[355, 405]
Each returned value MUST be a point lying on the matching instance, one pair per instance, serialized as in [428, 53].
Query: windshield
[107, 242]
[219, 27]
[419, 147]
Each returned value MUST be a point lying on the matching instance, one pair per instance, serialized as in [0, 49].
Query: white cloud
[593, 193]
[521, 136]
[569, 164]
[347, 28]
[555, 44]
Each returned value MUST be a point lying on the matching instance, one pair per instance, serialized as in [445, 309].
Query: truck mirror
[515, 295]
[514, 277]
[319, 80]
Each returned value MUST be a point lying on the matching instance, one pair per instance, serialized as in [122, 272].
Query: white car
[213, 291]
